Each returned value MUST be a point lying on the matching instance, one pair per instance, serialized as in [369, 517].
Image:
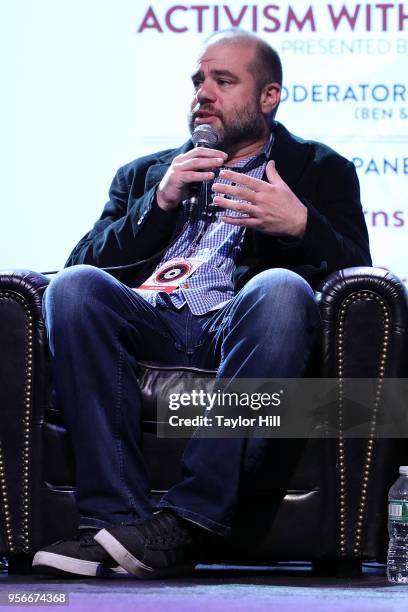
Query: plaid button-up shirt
[207, 234]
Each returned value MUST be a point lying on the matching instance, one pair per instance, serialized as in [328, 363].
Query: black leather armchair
[329, 504]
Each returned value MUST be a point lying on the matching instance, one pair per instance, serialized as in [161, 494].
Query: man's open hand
[271, 206]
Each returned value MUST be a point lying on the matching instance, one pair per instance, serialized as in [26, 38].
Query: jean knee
[71, 289]
[280, 294]
[278, 281]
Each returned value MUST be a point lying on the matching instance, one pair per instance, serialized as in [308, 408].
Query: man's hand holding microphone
[188, 170]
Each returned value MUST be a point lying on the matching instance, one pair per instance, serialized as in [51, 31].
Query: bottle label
[398, 510]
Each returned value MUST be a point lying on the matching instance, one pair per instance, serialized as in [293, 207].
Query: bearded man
[240, 257]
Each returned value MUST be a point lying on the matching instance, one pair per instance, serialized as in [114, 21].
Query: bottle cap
[403, 470]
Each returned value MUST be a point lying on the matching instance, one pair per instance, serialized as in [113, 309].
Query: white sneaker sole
[47, 561]
[126, 560]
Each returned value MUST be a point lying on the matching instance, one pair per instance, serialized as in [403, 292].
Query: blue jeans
[98, 329]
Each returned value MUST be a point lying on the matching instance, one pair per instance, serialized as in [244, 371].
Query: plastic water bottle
[397, 561]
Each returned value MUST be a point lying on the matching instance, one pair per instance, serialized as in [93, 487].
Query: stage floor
[284, 587]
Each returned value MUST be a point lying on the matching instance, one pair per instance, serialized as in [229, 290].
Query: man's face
[226, 96]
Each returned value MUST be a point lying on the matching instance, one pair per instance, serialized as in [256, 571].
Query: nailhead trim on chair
[11, 295]
[368, 296]
[5, 504]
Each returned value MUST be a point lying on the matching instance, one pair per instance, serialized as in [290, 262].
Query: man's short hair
[267, 65]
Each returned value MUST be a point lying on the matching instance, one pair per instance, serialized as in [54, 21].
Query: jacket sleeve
[336, 234]
[341, 234]
[132, 226]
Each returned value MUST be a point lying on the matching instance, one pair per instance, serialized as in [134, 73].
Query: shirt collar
[268, 146]
[256, 160]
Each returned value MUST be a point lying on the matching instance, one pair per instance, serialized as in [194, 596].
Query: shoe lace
[87, 539]
[163, 528]
[84, 536]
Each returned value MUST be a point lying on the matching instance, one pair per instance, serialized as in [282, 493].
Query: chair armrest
[24, 395]
[364, 324]
[364, 335]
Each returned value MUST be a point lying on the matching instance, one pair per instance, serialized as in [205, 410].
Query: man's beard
[244, 125]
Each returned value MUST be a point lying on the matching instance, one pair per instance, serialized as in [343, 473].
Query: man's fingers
[242, 179]
[197, 177]
[241, 221]
[272, 173]
[241, 193]
[199, 163]
[238, 206]
[204, 152]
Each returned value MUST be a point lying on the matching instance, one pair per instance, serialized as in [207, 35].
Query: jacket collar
[291, 155]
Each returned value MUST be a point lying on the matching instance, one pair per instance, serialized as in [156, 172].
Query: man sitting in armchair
[242, 254]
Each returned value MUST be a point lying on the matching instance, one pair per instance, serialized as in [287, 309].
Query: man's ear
[270, 97]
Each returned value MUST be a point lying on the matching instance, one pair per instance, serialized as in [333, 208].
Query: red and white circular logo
[173, 272]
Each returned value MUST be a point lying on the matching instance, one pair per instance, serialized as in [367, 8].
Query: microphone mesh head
[204, 136]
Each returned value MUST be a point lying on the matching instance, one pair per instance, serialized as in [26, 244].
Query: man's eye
[197, 83]
[223, 82]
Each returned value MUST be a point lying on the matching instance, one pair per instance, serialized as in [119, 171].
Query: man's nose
[206, 93]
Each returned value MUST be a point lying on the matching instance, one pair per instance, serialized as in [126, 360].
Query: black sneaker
[162, 545]
[81, 556]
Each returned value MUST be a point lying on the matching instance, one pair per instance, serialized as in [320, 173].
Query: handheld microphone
[203, 136]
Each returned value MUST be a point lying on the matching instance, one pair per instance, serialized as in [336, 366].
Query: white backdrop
[91, 84]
